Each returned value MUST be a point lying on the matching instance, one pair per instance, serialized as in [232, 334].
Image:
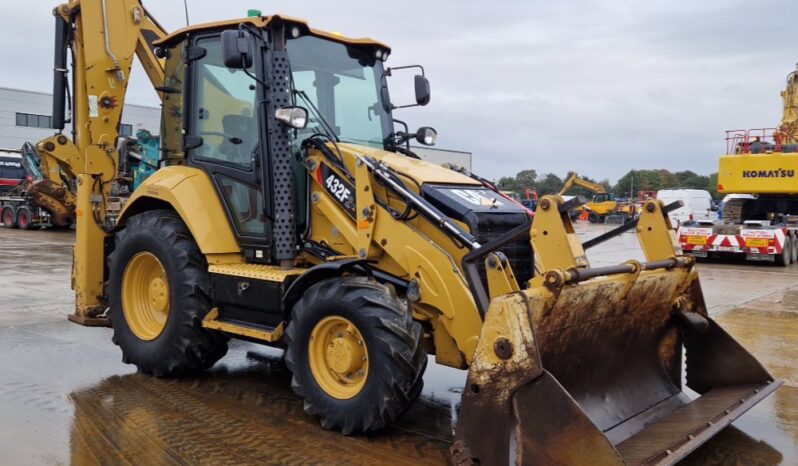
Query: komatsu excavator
[288, 209]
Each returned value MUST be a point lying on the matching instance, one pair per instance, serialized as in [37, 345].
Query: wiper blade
[326, 126]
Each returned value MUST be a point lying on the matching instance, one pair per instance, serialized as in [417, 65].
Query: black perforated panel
[282, 175]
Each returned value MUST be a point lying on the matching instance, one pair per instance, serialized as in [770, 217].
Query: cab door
[225, 127]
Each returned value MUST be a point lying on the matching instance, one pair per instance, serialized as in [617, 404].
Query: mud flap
[593, 374]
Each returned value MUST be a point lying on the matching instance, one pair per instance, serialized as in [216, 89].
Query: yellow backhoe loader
[602, 203]
[289, 210]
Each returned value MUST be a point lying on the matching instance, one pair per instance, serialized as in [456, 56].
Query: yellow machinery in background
[288, 210]
[602, 203]
[765, 161]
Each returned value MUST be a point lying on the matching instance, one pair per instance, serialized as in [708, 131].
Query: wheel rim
[338, 357]
[145, 296]
[22, 219]
[8, 218]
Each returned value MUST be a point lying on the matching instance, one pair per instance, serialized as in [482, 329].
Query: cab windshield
[344, 83]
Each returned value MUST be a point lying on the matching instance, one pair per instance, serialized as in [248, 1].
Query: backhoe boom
[103, 36]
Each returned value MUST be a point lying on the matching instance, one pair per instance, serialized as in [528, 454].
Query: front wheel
[159, 292]
[355, 353]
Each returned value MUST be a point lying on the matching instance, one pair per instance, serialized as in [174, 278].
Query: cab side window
[225, 114]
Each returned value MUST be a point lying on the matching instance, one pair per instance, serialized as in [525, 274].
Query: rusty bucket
[588, 370]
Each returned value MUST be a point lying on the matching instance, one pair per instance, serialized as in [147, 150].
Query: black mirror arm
[244, 68]
[389, 70]
[398, 137]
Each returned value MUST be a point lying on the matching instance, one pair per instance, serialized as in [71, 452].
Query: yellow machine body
[764, 161]
[601, 205]
[544, 352]
[768, 173]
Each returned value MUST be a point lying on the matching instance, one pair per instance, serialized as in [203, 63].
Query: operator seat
[246, 130]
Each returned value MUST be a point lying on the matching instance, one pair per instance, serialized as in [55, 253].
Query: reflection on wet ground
[241, 415]
[65, 397]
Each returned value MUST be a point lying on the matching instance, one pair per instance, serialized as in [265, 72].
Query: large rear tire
[8, 217]
[24, 219]
[785, 258]
[159, 292]
[355, 353]
[593, 217]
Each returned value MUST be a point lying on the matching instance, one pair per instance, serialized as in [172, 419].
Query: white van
[698, 206]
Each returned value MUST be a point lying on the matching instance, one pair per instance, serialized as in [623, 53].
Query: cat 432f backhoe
[287, 210]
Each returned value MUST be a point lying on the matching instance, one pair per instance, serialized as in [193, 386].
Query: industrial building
[27, 116]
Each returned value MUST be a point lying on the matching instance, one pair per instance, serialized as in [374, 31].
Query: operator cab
[240, 97]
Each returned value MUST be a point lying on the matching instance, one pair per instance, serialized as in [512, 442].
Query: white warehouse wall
[13, 101]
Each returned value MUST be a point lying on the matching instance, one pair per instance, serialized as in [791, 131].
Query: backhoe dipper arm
[575, 180]
[103, 36]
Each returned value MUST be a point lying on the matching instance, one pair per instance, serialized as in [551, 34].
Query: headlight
[426, 136]
[295, 117]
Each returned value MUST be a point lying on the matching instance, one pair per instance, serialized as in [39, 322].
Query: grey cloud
[599, 86]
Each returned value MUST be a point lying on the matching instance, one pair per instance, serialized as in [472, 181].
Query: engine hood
[421, 171]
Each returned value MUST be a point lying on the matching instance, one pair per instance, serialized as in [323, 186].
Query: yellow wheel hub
[145, 296]
[338, 357]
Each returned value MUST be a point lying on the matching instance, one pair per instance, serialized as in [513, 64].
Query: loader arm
[103, 37]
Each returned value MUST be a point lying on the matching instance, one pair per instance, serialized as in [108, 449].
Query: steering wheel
[232, 139]
[229, 137]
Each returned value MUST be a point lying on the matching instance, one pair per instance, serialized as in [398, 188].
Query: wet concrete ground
[66, 398]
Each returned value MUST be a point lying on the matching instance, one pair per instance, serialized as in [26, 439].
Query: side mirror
[295, 117]
[426, 135]
[236, 49]
[422, 90]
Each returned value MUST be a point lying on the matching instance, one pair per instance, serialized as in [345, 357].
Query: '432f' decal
[338, 187]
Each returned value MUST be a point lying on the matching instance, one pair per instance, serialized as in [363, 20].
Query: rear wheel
[9, 221]
[355, 353]
[593, 217]
[24, 219]
[794, 249]
[159, 292]
[785, 258]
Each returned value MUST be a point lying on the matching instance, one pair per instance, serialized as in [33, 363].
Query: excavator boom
[575, 180]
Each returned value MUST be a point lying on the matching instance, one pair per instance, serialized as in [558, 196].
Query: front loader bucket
[588, 370]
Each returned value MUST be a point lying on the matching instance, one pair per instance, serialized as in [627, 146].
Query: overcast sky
[596, 86]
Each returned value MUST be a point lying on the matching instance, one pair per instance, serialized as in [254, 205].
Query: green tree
[692, 180]
[550, 184]
[507, 183]
[712, 186]
[643, 180]
[525, 179]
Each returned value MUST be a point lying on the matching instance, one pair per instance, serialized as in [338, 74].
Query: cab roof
[262, 22]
